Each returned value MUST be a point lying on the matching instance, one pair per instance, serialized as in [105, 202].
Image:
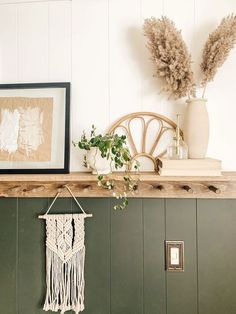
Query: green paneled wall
[125, 256]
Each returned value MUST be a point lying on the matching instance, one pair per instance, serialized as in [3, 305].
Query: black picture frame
[53, 85]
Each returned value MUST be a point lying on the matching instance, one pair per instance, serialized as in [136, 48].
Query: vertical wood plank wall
[124, 269]
[99, 46]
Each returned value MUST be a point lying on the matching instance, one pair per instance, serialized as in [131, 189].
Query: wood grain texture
[227, 176]
[150, 186]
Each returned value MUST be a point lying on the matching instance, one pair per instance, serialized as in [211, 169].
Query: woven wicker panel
[146, 119]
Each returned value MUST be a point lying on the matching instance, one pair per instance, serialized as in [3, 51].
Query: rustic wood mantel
[151, 185]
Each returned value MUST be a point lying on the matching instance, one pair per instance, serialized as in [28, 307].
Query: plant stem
[110, 160]
[204, 90]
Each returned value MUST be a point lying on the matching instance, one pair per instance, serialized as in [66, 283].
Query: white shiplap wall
[99, 47]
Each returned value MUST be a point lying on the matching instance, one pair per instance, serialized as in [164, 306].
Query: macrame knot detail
[65, 254]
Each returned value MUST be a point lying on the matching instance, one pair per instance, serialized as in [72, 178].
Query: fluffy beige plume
[170, 55]
[217, 48]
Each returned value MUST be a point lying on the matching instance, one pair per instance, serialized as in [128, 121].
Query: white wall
[98, 45]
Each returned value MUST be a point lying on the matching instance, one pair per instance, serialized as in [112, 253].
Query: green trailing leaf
[111, 147]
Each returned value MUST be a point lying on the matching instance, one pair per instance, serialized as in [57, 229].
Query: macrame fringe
[65, 282]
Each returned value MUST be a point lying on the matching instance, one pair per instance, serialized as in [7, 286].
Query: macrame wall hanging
[65, 255]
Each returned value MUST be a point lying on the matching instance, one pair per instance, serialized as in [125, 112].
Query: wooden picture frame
[41, 109]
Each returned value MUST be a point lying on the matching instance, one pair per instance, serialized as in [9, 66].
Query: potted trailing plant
[105, 153]
[173, 65]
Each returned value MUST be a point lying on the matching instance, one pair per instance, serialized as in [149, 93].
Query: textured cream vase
[196, 128]
[96, 163]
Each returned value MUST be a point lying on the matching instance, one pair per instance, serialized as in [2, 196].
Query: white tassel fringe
[65, 282]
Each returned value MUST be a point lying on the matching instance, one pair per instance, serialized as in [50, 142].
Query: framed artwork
[34, 128]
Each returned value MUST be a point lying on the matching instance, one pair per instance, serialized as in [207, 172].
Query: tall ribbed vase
[196, 127]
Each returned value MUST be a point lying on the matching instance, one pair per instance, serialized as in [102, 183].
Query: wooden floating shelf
[151, 185]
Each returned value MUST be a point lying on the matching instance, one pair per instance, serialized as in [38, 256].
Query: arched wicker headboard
[146, 118]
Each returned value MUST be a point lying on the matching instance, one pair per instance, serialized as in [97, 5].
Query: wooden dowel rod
[187, 188]
[45, 216]
[160, 188]
[214, 189]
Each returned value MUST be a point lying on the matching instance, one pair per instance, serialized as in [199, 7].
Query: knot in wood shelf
[151, 185]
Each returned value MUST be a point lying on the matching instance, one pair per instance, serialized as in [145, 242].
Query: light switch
[174, 255]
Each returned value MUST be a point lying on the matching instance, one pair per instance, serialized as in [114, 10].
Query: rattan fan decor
[164, 125]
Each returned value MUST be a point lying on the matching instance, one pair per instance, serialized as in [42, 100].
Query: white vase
[196, 127]
[96, 163]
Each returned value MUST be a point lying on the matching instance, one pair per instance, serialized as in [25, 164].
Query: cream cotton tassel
[65, 255]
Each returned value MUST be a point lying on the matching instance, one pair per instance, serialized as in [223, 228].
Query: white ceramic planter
[196, 128]
[96, 163]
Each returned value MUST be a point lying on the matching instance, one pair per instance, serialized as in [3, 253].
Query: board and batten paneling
[124, 264]
[8, 44]
[127, 259]
[32, 30]
[220, 92]
[31, 256]
[9, 255]
[90, 77]
[59, 41]
[216, 256]
[154, 278]
[100, 48]
[182, 294]
[98, 243]
[124, 72]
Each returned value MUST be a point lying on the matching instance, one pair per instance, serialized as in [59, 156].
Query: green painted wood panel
[154, 266]
[217, 256]
[31, 252]
[8, 258]
[182, 286]
[124, 268]
[127, 259]
[97, 261]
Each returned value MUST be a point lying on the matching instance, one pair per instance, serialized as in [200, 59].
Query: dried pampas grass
[217, 48]
[173, 61]
[170, 55]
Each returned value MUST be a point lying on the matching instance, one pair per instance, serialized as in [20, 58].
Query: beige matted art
[26, 129]
[35, 128]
